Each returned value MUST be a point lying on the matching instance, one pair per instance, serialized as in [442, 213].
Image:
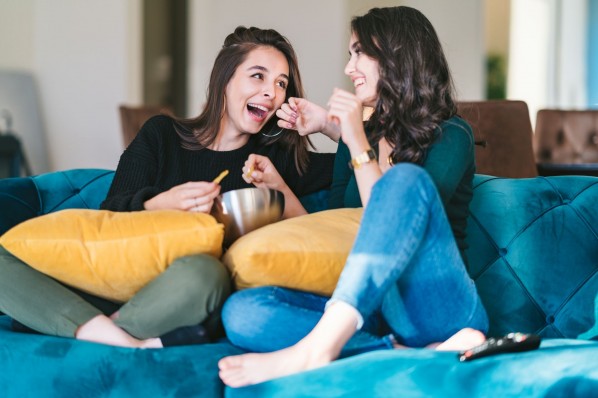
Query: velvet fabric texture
[559, 369]
[18, 201]
[533, 252]
[23, 198]
[46, 366]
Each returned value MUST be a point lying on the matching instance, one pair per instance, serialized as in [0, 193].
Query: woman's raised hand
[346, 111]
[260, 171]
[191, 196]
[306, 118]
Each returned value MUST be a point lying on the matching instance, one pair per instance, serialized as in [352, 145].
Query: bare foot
[463, 340]
[242, 370]
[320, 347]
[102, 329]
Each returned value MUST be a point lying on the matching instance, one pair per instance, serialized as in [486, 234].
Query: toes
[230, 362]
[233, 379]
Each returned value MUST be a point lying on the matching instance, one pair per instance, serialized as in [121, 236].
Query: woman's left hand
[346, 110]
[260, 171]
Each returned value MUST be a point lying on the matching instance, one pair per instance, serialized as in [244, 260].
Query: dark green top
[450, 162]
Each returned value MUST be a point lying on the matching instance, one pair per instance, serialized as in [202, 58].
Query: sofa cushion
[305, 253]
[27, 197]
[533, 252]
[560, 368]
[18, 201]
[111, 254]
[72, 189]
[45, 366]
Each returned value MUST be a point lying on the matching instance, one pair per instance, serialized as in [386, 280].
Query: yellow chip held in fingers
[248, 174]
[220, 177]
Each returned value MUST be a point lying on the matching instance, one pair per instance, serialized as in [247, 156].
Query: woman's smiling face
[364, 73]
[256, 90]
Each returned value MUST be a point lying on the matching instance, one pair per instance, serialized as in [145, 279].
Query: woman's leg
[386, 244]
[38, 301]
[43, 304]
[192, 290]
[414, 270]
[267, 319]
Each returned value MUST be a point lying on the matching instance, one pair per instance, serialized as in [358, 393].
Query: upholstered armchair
[503, 134]
[566, 142]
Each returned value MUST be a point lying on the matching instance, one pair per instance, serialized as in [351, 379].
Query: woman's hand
[306, 118]
[191, 196]
[260, 171]
[346, 111]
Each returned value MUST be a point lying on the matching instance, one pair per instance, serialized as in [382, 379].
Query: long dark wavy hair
[200, 132]
[415, 89]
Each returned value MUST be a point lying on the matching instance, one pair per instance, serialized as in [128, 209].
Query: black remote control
[512, 342]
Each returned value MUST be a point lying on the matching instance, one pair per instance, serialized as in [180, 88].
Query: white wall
[460, 26]
[84, 58]
[17, 34]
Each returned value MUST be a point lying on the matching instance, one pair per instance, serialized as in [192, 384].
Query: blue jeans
[270, 318]
[404, 271]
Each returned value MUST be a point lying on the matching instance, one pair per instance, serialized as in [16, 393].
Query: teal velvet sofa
[533, 254]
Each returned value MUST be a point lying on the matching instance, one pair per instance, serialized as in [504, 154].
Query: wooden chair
[503, 133]
[133, 117]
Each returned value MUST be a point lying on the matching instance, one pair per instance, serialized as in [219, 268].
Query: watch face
[363, 158]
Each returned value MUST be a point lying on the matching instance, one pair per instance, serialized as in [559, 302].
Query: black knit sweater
[155, 162]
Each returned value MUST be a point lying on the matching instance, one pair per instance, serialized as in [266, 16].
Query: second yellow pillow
[306, 253]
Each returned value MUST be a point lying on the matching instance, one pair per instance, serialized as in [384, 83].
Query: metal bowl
[244, 210]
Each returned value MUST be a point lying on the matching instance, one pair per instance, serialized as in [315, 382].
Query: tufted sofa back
[533, 253]
[533, 242]
[28, 197]
[566, 136]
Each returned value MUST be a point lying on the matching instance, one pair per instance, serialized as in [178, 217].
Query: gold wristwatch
[363, 158]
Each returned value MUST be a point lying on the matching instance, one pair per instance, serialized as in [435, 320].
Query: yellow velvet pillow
[306, 253]
[111, 254]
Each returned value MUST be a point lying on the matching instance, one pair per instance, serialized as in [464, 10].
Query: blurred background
[67, 65]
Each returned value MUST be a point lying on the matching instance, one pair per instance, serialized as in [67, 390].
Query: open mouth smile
[359, 82]
[258, 112]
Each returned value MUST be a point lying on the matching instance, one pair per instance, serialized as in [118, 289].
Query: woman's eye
[282, 84]
[258, 75]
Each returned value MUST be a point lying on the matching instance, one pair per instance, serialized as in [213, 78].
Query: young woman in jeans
[405, 281]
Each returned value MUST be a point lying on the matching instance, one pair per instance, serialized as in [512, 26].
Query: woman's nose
[350, 67]
[269, 90]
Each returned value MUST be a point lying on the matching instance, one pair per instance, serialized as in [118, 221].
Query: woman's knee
[201, 275]
[245, 315]
[246, 307]
[407, 174]
[404, 177]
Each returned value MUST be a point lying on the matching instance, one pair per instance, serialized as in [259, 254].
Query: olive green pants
[192, 290]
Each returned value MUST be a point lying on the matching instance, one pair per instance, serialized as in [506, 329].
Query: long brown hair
[415, 89]
[199, 132]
